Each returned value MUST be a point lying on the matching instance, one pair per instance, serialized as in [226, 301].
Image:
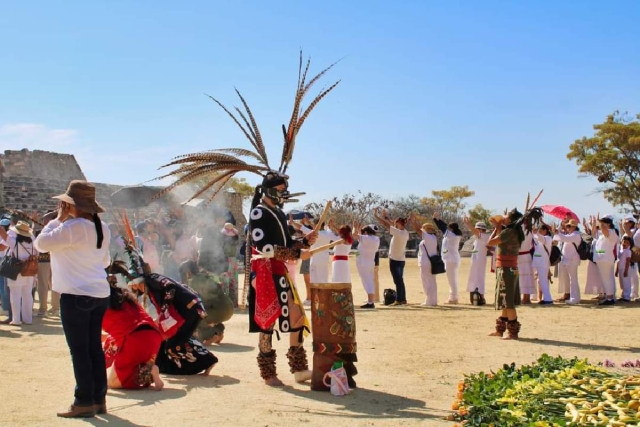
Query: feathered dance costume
[271, 295]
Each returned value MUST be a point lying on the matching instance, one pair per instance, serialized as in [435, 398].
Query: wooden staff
[323, 217]
[533, 204]
[526, 205]
[326, 247]
[25, 216]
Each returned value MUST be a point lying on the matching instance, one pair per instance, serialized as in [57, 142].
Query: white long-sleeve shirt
[77, 265]
[569, 249]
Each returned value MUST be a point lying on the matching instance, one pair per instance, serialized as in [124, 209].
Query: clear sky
[482, 93]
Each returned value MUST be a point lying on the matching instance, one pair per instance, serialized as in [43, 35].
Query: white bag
[339, 383]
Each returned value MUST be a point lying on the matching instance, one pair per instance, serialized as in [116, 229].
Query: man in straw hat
[78, 242]
[507, 237]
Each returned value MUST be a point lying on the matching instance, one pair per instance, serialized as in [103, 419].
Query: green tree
[612, 155]
[480, 213]
[450, 203]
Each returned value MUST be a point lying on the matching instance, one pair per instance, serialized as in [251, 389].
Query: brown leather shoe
[76, 411]
[100, 408]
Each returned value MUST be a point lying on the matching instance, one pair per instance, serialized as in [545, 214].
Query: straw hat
[82, 195]
[573, 222]
[22, 228]
[429, 227]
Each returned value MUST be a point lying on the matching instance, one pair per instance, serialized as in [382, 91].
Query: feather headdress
[218, 166]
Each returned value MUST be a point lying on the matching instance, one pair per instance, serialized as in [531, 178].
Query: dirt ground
[410, 360]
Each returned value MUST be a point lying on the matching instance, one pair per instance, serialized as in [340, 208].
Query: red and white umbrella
[559, 211]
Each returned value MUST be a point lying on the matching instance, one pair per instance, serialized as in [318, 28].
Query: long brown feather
[239, 152]
[208, 158]
[254, 125]
[297, 120]
[313, 104]
[221, 180]
[249, 137]
[221, 185]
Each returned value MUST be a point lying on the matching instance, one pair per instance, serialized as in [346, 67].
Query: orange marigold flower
[461, 386]
[459, 395]
[455, 405]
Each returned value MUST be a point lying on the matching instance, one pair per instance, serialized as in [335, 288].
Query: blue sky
[488, 94]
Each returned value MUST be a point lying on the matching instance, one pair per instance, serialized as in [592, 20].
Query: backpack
[477, 298]
[555, 256]
[389, 296]
[584, 250]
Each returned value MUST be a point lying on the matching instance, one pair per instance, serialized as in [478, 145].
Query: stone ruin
[29, 180]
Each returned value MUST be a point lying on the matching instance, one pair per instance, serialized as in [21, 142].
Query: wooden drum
[333, 327]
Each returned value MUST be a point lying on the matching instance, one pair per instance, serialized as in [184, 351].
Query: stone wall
[29, 180]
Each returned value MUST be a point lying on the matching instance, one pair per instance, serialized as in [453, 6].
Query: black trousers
[81, 318]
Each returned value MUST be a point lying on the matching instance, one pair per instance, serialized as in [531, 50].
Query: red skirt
[133, 361]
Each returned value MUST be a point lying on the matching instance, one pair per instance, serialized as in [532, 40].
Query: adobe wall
[29, 180]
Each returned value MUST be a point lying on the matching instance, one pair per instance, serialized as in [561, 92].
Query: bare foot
[302, 376]
[158, 384]
[495, 334]
[205, 373]
[274, 382]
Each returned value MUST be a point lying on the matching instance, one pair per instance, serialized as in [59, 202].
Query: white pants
[563, 279]
[451, 268]
[429, 285]
[21, 299]
[543, 281]
[625, 282]
[574, 287]
[365, 270]
[633, 274]
[607, 271]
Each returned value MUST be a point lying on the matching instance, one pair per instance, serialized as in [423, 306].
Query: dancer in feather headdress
[272, 296]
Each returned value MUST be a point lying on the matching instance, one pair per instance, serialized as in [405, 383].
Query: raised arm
[442, 226]
[467, 223]
[382, 218]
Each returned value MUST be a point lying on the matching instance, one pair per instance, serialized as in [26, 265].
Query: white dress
[340, 272]
[365, 262]
[319, 265]
[428, 247]
[478, 269]
[525, 269]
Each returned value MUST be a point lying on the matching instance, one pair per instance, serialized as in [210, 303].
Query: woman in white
[450, 254]
[428, 247]
[478, 269]
[525, 269]
[571, 238]
[340, 271]
[605, 256]
[319, 266]
[365, 261]
[541, 263]
[594, 284]
[20, 245]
